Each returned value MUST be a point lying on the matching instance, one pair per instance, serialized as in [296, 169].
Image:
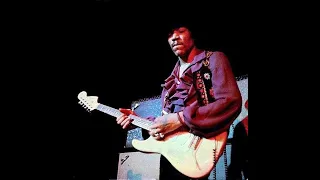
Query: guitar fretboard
[138, 121]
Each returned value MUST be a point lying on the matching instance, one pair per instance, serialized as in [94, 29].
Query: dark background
[110, 49]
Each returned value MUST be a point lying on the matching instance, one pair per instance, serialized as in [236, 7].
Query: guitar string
[142, 122]
[109, 110]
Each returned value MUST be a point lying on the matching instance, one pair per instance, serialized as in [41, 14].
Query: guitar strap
[203, 82]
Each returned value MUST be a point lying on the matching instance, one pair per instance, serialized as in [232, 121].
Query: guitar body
[191, 155]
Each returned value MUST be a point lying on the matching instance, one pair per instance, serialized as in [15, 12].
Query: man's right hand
[124, 120]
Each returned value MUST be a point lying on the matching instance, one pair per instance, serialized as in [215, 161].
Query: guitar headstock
[88, 102]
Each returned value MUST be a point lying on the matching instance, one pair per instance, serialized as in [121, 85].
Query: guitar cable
[215, 165]
[225, 162]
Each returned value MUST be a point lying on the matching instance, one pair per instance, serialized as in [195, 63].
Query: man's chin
[179, 52]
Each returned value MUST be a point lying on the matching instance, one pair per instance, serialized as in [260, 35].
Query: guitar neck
[138, 121]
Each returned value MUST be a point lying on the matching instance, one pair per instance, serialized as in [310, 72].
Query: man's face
[180, 41]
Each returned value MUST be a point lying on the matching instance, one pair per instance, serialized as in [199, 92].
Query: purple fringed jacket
[187, 94]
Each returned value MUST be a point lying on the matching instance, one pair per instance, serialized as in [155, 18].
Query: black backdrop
[111, 49]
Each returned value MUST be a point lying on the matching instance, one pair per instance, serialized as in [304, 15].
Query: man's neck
[189, 58]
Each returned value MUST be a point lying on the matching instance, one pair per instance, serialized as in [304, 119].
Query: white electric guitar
[192, 155]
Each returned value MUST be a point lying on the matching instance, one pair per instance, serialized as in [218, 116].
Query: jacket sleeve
[217, 116]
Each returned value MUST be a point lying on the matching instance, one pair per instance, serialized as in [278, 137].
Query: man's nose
[175, 36]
